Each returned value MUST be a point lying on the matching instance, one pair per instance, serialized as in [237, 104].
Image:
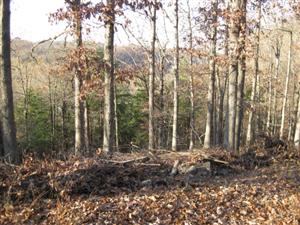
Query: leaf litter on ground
[259, 187]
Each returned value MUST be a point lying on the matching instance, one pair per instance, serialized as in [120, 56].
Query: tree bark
[79, 104]
[277, 64]
[249, 136]
[176, 80]
[108, 123]
[161, 129]
[1, 140]
[220, 109]
[191, 80]
[297, 130]
[286, 87]
[226, 88]
[151, 79]
[116, 119]
[270, 91]
[210, 129]
[241, 77]
[234, 31]
[294, 109]
[297, 122]
[8, 120]
[86, 126]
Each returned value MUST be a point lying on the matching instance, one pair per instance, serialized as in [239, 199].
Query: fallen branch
[141, 159]
[147, 164]
[216, 160]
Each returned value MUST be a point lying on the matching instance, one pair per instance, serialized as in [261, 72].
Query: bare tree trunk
[176, 80]
[240, 103]
[101, 119]
[258, 126]
[297, 130]
[286, 87]
[234, 31]
[241, 77]
[226, 120]
[108, 122]
[116, 119]
[269, 113]
[290, 124]
[209, 130]
[220, 112]
[292, 106]
[151, 79]
[226, 89]
[86, 127]
[79, 115]
[1, 133]
[191, 81]
[295, 109]
[217, 109]
[8, 119]
[232, 105]
[161, 129]
[277, 64]
[79, 105]
[249, 136]
[1, 140]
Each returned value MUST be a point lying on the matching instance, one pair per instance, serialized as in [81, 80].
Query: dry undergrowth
[103, 191]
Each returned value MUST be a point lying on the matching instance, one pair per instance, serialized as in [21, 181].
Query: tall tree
[109, 79]
[78, 79]
[241, 76]
[249, 135]
[277, 50]
[176, 78]
[191, 80]
[209, 131]
[7, 105]
[270, 91]
[297, 130]
[287, 79]
[220, 90]
[293, 107]
[234, 31]
[116, 119]
[161, 128]
[152, 76]
[226, 91]
[86, 125]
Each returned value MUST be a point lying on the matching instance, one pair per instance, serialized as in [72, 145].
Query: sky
[29, 19]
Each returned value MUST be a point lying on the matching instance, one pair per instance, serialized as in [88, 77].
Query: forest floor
[199, 187]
